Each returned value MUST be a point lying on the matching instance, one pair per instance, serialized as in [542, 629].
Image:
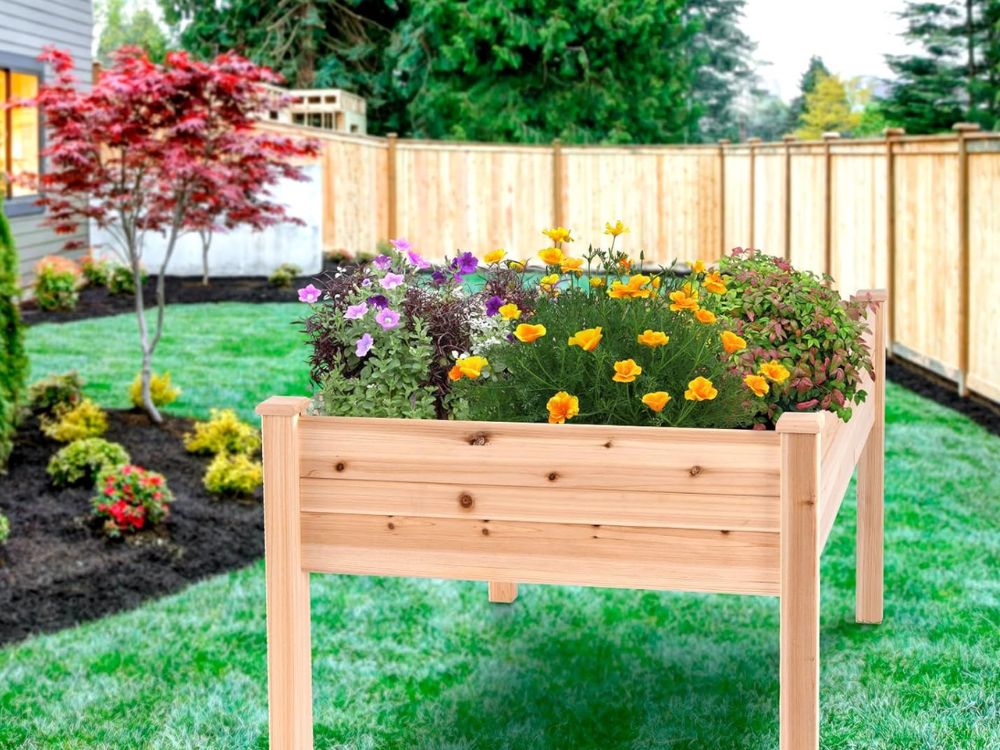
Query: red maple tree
[161, 149]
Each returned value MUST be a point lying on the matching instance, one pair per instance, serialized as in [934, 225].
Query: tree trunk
[146, 373]
[206, 243]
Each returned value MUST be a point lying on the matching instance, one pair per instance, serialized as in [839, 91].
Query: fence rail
[919, 215]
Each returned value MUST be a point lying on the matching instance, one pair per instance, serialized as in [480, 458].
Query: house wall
[26, 27]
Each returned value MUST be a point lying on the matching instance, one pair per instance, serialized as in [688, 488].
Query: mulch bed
[57, 571]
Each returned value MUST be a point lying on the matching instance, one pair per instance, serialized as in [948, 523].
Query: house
[328, 109]
[26, 27]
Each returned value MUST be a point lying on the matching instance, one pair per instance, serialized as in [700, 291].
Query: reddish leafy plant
[130, 499]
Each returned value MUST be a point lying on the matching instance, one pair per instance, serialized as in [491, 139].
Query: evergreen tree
[140, 29]
[13, 359]
[833, 105]
[807, 84]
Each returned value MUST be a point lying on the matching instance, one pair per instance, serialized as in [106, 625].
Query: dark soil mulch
[944, 392]
[57, 571]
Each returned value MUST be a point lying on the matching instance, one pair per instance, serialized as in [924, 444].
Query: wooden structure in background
[735, 511]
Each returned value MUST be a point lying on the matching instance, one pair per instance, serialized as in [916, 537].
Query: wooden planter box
[734, 511]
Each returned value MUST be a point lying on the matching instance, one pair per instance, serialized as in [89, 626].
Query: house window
[19, 130]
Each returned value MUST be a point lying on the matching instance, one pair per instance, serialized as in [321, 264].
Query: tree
[153, 149]
[832, 105]
[807, 84]
[13, 359]
[768, 118]
[120, 29]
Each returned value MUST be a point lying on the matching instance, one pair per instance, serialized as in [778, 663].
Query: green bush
[97, 271]
[159, 388]
[55, 392]
[85, 461]
[131, 498]
[223, 433]
[233, 475]
[13, 359]
[57, 283]
[4, 529]
[120, 279]
[84, 420]
[284, 275]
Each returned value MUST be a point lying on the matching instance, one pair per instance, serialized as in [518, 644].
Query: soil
[56, 570]
[944, 392]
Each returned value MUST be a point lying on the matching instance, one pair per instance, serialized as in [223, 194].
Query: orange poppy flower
[561, 407]
[757, 384]
[516, 265]
[551, 256]
[625, 264]
[510, 311]
[571, 264]
[494, 257]
[684, 298]
[705, 316]
[615, 229]
[656, 400]
[587, 339]
[549, 283]
[526, 332]
[626, 371]
[697, 266]
[731, 342]
[596, 282]
[653, 338]
[469, 367]
[558, 234]
[775, 371]
[713, 283]
[635, 288]
[700, 389]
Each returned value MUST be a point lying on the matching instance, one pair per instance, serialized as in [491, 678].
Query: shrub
[84, 420]
[130, 498]
[97, 271]
[4, 529]
[233, 474]
[160, 389]
[13, 360]
[792, 318]
[54, 392]
[283, 276]
[57, 282]
[122, 281]
[85, 460]
[223, 433]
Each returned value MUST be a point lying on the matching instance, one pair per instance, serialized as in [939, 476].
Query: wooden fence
[919, 216]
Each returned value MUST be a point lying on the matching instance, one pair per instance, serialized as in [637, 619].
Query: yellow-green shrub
[84, 420]
[223, 433]
[233, 474]
[85, 460]
[160, 389]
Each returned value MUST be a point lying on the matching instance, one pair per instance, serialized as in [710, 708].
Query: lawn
[402, 663]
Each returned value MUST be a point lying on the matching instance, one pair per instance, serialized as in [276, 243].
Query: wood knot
[480, 438]
[694, 471]
[465, 500]
[609, 444]
[391, 525]
[486, 532]
[725, 532]
[340, 466]
[553, 476]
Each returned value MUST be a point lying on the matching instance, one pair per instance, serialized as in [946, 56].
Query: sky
[852, 37]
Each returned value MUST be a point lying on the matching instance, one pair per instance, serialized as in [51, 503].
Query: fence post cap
[724, 141]
[754, 139]
[831, 135]
[891, 132]
[870, 295]
[801, 423]
[965, 127]
[788, 138]
[282, 406]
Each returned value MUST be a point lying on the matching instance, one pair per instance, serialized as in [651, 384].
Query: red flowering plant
[131, 498]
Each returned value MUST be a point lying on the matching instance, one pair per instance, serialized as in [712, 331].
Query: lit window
[19, 130]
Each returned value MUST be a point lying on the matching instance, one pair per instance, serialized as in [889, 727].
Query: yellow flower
[494, 257]
[700, 389]
[656, 400]
[656, 282]
[517, 265]
[510, 311]
[697, 266]
[775, 371]
[587, 339]
[684, 298]
[635, 288]
[596, 282]
[653, 338]
[548, 283]
[469, 367]
[732, 343]
[626, 371]
[558, 234]
[571, 264]
[552, 256]
[757, 384]
[615, 229]
[561, 407]
[526, 332]
[713, 283]
[705, 316]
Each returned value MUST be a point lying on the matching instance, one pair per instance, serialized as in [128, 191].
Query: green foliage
[57, 283]
[137, 29]
[223, 433]
[53, 392]
[807, 84]
[97, 271]
[283, 276]
[13, 359]
[84, 420]
[85, 460]
[792, 317]
[233, 475]
[160, 389]
[4, 529]
[121, 279]
[130, 498]
[833, 105]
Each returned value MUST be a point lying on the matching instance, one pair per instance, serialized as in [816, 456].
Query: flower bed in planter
[736, 511]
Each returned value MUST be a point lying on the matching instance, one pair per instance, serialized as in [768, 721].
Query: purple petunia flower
[438, 278]
[379, 300]
[309, 294]
[465, 263]
[402, 244]
[366, 283]
[364, 345]
[382, 262]
[417, 260]
[356, 311]
[493, 305]
[387, 318]
[391, 280]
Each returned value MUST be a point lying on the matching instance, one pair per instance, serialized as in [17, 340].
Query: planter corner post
[289, 651]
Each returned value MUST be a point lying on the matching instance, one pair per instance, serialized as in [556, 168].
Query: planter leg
[289, 654]
[502, 592]
[871, 485]
[800, 550]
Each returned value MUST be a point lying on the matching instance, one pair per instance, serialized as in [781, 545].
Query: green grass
[402, 663]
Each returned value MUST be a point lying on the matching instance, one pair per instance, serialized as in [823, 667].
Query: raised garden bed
[56, 571]
[733, 511]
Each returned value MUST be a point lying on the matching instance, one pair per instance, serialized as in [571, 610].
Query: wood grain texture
[502, 592]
